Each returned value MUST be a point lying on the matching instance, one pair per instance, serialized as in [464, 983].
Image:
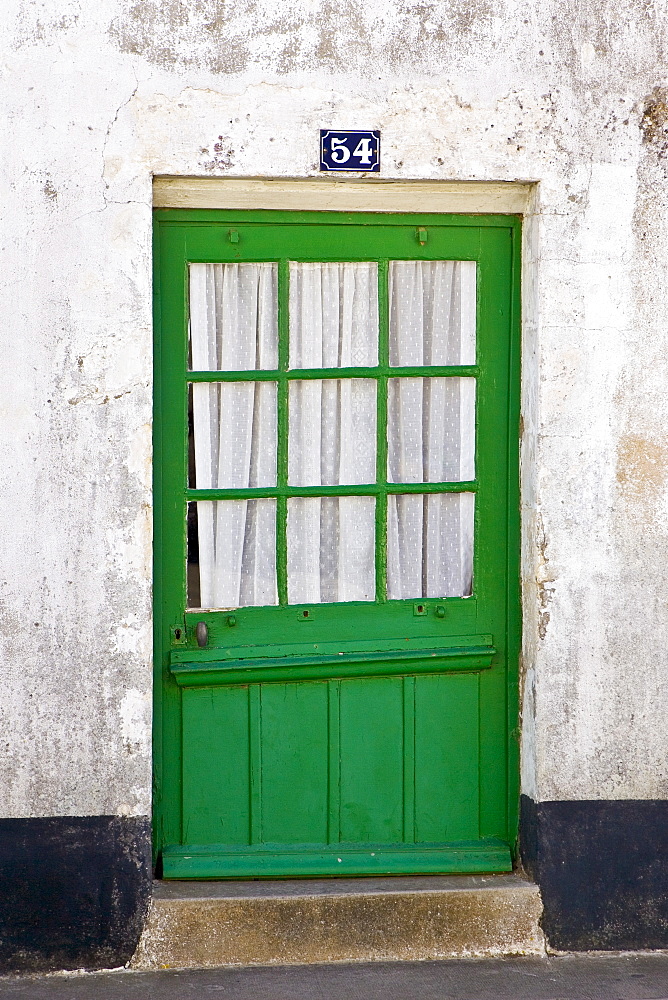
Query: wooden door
[336, 532]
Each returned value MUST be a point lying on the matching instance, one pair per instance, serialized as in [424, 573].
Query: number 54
[341, 153]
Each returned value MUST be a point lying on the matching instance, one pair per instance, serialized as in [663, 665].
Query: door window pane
[331, 549]
[333, 315]
[233, 317]
[332, 435]
[231, 553]
[430, 545]
[430, 430]
[432, 312]
[233, 442]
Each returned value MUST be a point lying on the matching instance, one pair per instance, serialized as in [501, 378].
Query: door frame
[367, 196]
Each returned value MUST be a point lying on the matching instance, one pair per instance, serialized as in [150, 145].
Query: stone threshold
[303, 921]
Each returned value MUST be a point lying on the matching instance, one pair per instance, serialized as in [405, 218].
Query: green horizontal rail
[297, 374]
[203, 217]
[295, 860]
[270, 492]
[414, 661]
[219, 648]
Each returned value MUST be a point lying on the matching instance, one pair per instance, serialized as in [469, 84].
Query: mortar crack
[107, 133]
[103, 152]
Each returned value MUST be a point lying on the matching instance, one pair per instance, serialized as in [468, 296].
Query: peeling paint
[135, 716]
[654, 121]
[226, 38]
[545, 581]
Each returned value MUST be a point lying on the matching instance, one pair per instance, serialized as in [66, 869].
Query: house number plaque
[349, 150]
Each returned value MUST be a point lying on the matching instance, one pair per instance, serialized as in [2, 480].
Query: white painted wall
[96, 99]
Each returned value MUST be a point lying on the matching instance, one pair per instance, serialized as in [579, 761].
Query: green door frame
[191, 235]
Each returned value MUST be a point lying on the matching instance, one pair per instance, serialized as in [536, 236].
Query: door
[336, 533]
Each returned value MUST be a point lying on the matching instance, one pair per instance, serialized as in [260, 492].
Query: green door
[336, 532]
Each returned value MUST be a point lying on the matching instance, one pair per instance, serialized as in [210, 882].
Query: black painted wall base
[602, 868]
[73, 891]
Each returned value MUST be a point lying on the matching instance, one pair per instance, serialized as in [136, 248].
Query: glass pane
[430, 430]
[432, 312]
[231, 553]
[331, 550]
[233, 436]
[332, 435]
[333, 315]
[233, 317]
[430, 545]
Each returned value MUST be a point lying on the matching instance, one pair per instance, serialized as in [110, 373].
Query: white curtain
[333, 315]
[432, 312]
[233, 317]
[431, 429]
[233, 326]
[333, 310]
[332, 436]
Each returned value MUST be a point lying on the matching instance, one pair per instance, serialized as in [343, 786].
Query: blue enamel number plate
[349, 150]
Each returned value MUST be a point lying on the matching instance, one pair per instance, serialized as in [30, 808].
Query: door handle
[202, 634]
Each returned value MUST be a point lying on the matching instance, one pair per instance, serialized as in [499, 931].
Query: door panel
[336, 469]
[372, 751]
[294, 778]
[447, 758]
[216, 774]
[385, 760]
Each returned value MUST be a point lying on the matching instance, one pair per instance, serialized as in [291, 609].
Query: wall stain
[171, 34]
[31, 30]
[222, 157]
[50, 191]
[654, 121]
[342, 36]
[642, 470]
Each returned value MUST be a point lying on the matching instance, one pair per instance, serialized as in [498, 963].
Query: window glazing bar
[294, 374]
[370, 490]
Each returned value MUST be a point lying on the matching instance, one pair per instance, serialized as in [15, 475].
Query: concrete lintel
[503, 197]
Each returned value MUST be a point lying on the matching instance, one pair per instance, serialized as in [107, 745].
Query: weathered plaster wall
[97, 98]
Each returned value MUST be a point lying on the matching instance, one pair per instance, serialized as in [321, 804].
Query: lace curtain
[234, 327]
[431, 429]
[332, 436]
[333, 310]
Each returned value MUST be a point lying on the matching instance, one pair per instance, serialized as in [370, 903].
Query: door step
[297, 922]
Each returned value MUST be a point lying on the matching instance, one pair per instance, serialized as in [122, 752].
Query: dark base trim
[74, 891]
[602, 868]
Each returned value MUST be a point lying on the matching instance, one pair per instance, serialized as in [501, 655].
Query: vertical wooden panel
[215, 765]
[409, 759]
[295, 758]
[446, 757]
[255, 758]
[493, 755]
[334, 774]
[372, 760]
